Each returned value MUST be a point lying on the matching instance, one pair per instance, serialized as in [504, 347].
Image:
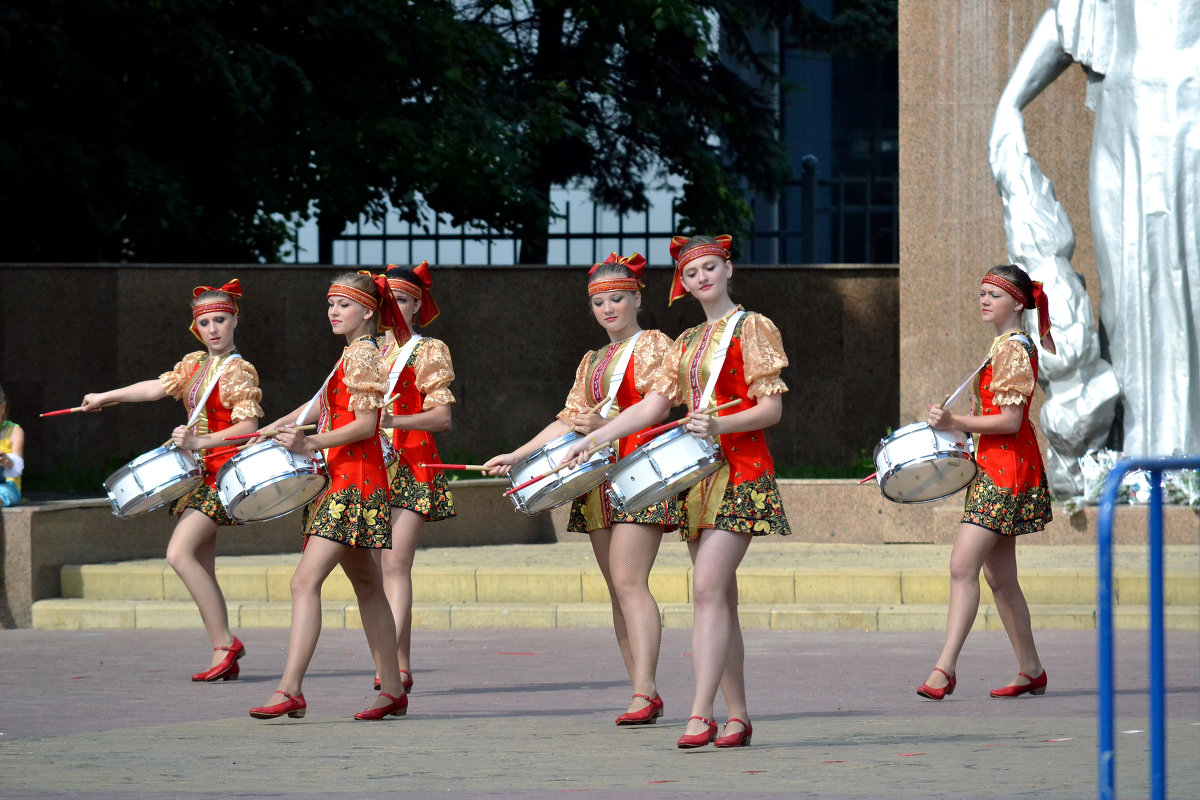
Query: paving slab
[529, 713]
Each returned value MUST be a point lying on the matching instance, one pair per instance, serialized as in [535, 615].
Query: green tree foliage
[179, 130]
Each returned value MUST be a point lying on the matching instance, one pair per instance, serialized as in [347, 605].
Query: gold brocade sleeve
[666, 381]
[434, 372]
[648, 356]
[173, 382]
[239, 390]
[366, 376]
[1012, 374]
[763, 356]
[577, 400]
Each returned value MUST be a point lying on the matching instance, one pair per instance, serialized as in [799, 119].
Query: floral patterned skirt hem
[344, 516]
[1006, 511]
[433, 499]
[204, 499]
[594, 511]
[754, 507]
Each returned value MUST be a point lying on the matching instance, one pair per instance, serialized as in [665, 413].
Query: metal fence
[842, 219]
[1106, 753]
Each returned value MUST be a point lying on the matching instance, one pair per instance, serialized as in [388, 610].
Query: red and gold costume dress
[594, 510]
[1010, 494]
[237, 397]
[354, 509]
[742, 496]
[423, 382]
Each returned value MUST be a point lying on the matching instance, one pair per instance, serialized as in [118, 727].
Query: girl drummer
[421, 408]
[1009, 497]
[741, 500]
[351, 519]
[231, 409]
[625, 545]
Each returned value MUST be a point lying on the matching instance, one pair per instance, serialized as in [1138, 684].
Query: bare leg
[396, 565]
[318, 560]
[972, 544]
[715, 558]
[379, 626]
[733, 682]
[633, 548]
[192, 553]
[1000, 570]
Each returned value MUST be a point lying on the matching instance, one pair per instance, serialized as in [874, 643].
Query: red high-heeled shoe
[1036, 686]
[643, 716]
[739, 739]
[294, 707]
[227, 669]
[398, 707]
[925, 690]
[407, 683]
[689, 740]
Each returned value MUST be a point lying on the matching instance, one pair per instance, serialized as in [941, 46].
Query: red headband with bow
[1040, 302]
[390, 316]
[232, 288]
[721, 249]
[635, 263]
[429, 310]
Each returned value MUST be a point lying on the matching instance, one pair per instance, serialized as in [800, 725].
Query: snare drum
[564, 485]
[918, 464]
[662, 468]
[266, 480]
[154, 479]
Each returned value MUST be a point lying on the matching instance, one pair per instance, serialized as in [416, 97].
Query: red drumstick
[75, 410]
[267, 432]
[677, 423]
[557, 469]
[453, 466]
[223, 452]
[869, 477]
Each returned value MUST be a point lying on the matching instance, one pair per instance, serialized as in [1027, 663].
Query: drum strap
[618, 375]
[718, 360]
[401, 360]
[953, 398]
[199, 409]
[316, 397]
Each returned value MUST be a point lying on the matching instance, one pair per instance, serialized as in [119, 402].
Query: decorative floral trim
[1004, 511]
[754, 507]
[344, 516]
[432, 499]
[594, 511]
[204, 499]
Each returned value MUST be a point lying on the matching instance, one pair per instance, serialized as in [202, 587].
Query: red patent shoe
[689, 740]
[398, 707]
[1035, 686]
[293, 706]
[925, 690]
[407, 683]
[227, 669]
[643, 716]
[739, 739]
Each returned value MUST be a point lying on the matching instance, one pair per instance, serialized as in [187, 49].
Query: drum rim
[583, 470]
[715, 461]
[928, 457]
[272, 482]
[190, 480]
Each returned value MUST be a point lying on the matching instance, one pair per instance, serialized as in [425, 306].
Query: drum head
[567, 485]
[277, 497]
[152, 480]
[928, 478]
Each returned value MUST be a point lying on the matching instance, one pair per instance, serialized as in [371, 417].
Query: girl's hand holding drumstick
[694, 421]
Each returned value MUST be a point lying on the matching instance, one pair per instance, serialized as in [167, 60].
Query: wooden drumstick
[269, 432]
[77, 409]
[559, 468]
[679, 422]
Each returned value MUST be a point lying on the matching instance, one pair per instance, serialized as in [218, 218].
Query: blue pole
[1158, 673]
[1104, 687]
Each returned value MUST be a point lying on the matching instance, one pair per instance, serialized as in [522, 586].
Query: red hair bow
[429, 310]
[1042, 303]
[390, 317]
[721, 249]
[636, 264]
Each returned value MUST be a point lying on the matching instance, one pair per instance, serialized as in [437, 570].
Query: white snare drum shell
[662, 468]
[266, 481]
[561, 487]
[152, 480]
[919, 464]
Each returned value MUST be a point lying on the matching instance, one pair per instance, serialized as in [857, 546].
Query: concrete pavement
[529, 713]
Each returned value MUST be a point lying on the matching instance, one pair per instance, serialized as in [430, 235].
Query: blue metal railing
[1106, 752]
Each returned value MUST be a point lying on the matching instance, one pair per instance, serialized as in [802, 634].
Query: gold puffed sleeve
[666, 379]
[1012, 374]
[762, 356]
[648, 357]
[434, 372]
[173, 382]
[239, 390]
[577, 400]
[365, 375]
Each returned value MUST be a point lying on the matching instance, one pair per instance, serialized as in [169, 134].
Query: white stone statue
[1142, 59]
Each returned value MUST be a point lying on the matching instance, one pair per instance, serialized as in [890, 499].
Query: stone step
[79, 614]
